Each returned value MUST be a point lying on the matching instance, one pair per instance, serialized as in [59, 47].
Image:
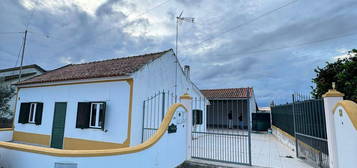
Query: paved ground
[267, 151]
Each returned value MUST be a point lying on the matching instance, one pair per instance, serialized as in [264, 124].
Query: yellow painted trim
[333, 93]
[104, 152]
[283, 132]
[350, 108]
[82, 144]
[131, 84]
[293, 138]
[6, 129]
[186, 96]
[31, 138]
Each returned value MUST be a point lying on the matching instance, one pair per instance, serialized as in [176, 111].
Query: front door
[59, 118]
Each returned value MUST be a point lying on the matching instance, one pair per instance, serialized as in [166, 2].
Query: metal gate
[221, 131]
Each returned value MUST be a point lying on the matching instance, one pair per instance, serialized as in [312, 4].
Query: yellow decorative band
[104, 152]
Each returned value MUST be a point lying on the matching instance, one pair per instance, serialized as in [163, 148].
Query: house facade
[10, 76]
[96, 105]
[230, 108]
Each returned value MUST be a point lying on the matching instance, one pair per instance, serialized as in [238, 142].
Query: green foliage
[343, 72]
[5, 95]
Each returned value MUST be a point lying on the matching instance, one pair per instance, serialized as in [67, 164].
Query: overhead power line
[10, 32]
[149, 10]
[248, 22]
[291, 46]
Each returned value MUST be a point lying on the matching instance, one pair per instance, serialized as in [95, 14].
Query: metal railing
[154, 109]
[304, 119]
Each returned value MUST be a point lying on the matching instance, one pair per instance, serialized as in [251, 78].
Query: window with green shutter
[31, 112]
[197, 117]
[91, 115]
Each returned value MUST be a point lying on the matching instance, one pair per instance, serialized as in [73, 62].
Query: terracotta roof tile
[107, 68]
[227, 93]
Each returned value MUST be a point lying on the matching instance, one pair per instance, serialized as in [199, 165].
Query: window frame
[32, 113]
[97, 115]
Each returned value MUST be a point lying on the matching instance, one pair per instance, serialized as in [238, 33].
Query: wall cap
[333, 93]
[100, 152]
[6, 129]
[186, 96]
[350, 108]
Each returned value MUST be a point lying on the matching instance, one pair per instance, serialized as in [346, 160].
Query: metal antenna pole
[176, 61]
[22, 55]
[179, 19]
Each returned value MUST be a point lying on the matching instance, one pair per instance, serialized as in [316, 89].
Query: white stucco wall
[153, 77]
[346, 139]
[6, 135]
[168, 152]
[115, 94]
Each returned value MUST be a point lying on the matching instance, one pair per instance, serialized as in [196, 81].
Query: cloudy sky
[271, 45]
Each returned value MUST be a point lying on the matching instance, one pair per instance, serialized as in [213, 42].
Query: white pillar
[331, 98]
[186, 100]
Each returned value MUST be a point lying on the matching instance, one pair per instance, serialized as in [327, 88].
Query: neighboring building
[229, 104]
[95, 105]
[10, 76]
[264, 109]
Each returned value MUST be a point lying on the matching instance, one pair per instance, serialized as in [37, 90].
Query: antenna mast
[179, 20]
[22, 55]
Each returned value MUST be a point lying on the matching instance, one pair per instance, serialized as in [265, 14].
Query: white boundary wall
[346, 139]
[168, 152]
[6, 135]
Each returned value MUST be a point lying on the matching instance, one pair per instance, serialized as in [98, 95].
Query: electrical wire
[248, 22]
[291, 46]
[18, 55]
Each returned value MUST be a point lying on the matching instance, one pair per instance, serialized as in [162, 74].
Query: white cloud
[56, 6]
[69, 60]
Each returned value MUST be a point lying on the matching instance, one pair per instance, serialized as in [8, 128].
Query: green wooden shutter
[199, 117]
[102, 116]
[24, 113]
[83, 112]
[38, 117]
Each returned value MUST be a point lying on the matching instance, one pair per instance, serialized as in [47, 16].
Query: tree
[5, 95]
[343, 72]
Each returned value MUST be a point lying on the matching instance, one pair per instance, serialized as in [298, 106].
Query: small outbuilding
[229, 108]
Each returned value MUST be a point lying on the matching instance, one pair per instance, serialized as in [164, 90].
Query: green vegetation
[343, 72]
[5, 95]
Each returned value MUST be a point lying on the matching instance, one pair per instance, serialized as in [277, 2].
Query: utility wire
[10, 33]
[291, 46]
[248, 22]
[19, 54]
[149, 10]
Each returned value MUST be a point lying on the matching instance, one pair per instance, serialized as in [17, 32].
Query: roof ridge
[226, 88]
[127, 57]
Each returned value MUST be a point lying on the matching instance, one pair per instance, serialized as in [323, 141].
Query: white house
[96, 105]
[10, 76]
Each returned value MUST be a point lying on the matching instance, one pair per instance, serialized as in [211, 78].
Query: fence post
[186, 100]
[330, 100]
[294, 123]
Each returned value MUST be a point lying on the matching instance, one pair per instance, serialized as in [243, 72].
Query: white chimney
[187, 71]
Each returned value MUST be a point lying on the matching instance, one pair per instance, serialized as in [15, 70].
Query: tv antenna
[179, 20]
